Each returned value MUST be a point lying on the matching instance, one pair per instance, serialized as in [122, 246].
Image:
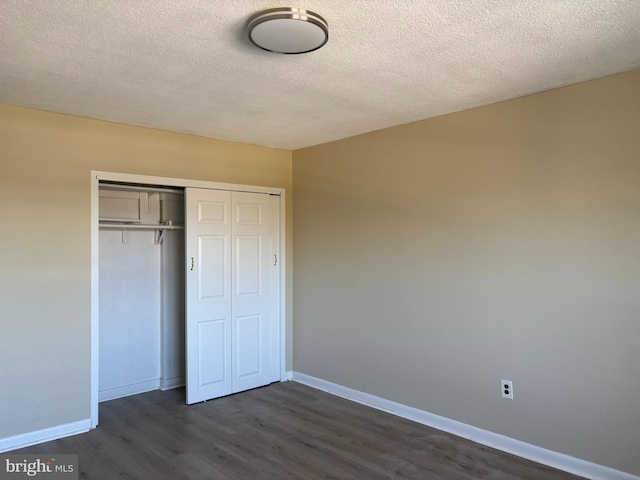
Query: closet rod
[128, 226]
[112, 186]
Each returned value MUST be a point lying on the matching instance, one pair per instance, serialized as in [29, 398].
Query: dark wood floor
[283, 431]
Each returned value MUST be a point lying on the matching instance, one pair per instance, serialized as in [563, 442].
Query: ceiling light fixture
[288, 30]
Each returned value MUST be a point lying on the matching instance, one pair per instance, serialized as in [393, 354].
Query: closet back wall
[45, 196]
[130, 314]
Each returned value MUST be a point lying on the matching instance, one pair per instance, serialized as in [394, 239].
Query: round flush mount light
[288, 30]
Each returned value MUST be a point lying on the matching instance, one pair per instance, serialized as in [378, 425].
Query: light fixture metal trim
[303, 40]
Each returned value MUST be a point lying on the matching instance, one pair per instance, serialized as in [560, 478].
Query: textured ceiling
[186, 66]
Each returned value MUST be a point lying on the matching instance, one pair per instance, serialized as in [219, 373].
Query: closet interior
[141, 289]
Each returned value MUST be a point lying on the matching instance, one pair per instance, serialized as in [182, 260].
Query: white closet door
[229, 296]
[251, 292]
[208, 294]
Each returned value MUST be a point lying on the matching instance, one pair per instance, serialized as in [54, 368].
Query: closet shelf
[119, 220]
[136, 226]
[126, 226]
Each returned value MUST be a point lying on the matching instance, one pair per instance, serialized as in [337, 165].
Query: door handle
[192, 263]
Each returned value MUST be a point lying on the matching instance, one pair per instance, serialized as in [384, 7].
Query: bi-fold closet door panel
[228, 292]
[250, 290]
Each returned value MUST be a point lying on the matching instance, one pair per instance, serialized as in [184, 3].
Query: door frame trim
[96, 177]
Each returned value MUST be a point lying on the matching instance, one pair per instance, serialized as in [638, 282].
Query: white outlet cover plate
[506, 387]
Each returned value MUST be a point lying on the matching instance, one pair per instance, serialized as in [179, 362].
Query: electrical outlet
[507, 388]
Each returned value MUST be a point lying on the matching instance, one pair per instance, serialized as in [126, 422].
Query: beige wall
[436, 258]
[432, 260]
[45, 164]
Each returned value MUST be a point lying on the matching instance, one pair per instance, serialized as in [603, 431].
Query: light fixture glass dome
[288, 30]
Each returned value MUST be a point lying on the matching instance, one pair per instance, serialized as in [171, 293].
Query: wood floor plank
[285, 431]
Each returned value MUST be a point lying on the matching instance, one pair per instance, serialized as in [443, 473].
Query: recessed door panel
[211, 270]
[248, 266]
[248, 213]
[212, 352]
[213, 212]
[247, 345]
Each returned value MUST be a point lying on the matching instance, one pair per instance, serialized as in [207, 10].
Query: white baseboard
[288, 375]
[54, 433]
[126, 390]
[171, 383]
[537, 454]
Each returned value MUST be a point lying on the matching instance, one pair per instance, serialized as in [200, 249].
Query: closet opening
[187, 287]
[141, 289]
